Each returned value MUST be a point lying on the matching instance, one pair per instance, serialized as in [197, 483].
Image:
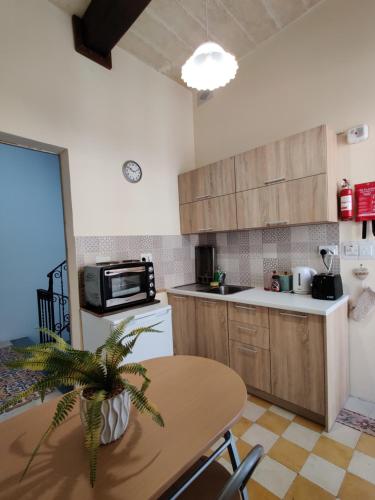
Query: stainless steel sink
[227, 289]
[220, 290]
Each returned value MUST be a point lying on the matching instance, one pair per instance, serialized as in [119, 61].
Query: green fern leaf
[142, 404]
[93, 425]
[63, 408]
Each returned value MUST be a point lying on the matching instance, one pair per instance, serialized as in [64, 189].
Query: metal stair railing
[53, 304]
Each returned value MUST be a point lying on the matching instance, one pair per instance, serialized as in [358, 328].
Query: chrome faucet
[222, 277]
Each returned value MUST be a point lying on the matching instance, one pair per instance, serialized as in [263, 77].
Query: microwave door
[124, 286]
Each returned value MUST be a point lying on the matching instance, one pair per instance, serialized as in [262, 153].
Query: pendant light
[210, 66]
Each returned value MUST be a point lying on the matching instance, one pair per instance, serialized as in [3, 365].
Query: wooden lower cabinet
[297, 359]
[248, 314]
[252, 364]
[254, 335]
[212, 329]
[183, 323]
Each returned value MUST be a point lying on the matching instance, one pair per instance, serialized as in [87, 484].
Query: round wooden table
[199, 399]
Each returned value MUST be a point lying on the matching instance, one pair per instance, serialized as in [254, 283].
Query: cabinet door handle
[205, 229]
[179, 298]
[302, 316]
[210, 302]
[249, 308]
[250, 350]
[250, 330]
[274, 181]
[277, 223]
[203, 197]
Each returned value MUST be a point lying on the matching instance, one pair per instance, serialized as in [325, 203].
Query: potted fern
[100, 384]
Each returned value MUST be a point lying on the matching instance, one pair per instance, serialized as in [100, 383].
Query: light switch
[351, 250]
[366, 250]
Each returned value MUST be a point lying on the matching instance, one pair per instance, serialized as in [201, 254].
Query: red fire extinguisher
[346, 201]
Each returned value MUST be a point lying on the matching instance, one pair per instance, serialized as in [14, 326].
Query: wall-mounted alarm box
[357, 134]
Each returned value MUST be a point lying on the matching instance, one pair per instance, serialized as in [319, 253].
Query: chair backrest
[241, 476]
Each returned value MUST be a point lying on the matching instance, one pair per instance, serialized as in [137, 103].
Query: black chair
[216, 482]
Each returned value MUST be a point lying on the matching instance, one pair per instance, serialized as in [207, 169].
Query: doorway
[32, 239]
[33, 260]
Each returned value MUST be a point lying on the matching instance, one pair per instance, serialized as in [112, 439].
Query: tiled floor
[361, 406]
[302, 462]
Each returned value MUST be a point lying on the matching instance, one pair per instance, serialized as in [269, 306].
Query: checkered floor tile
[302, 462]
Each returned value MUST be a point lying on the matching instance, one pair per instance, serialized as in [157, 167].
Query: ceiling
[168, 31]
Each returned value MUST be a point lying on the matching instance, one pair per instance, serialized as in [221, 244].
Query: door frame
[70, 246]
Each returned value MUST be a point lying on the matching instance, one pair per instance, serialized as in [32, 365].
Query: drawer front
[244, 313]
[252, 364]
[254, 335]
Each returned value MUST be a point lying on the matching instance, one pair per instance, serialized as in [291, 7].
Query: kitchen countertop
[281, 300]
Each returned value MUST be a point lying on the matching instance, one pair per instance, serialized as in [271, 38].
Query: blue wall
[32, 240]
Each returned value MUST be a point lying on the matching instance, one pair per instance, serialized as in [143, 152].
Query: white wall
[319, 70]
[51, 94]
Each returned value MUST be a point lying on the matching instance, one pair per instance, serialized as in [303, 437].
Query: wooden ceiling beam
[103, 24]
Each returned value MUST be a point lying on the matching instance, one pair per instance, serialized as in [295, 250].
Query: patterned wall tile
[318, 232]
[248, 257]
[269, 250]
[257, 251]
[270, 265]
[222, 239]
[333, 234]
[275, 234]
[299, 233]
[173, 255]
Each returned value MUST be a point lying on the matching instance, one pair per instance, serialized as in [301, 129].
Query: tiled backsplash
[246, 256]
[173, 256]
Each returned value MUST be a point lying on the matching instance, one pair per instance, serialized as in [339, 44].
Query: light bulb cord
[207, 20]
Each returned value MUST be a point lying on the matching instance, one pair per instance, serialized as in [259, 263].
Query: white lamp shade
[209, 68]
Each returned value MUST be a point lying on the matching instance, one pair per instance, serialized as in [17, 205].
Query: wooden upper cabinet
[222, 177]
[258, 207]
[185, 187]
[216, 179]
[287, 182]
[297, 359]
[185, 219]
[212, 329]
[222, 213]
[214, 214]
[302, 201]
[261, 166]
[183, 320]
[307, 153]
[301, 155]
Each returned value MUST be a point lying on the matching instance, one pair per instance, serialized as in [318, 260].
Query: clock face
[132, 171]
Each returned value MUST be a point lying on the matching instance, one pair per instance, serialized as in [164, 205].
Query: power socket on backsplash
[146, 257]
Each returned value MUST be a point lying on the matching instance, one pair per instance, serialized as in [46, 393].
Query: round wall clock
[132, 171]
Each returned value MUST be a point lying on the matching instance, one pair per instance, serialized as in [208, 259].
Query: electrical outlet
[330, 249]
[146, 257]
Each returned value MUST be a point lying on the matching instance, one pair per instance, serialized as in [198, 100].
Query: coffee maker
[205, 263]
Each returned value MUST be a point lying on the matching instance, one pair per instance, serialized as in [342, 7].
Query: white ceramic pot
[115, 416]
